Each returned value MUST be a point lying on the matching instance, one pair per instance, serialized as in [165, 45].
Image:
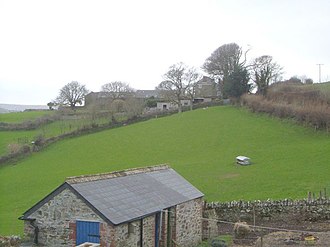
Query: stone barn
[151, 206]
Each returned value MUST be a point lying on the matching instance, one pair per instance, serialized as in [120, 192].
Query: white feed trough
[243, 160]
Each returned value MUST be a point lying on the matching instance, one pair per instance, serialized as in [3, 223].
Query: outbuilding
[151, 206]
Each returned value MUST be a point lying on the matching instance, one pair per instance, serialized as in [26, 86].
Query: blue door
[87, 231]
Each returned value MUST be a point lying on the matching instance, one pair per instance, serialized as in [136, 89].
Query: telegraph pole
[319, 64]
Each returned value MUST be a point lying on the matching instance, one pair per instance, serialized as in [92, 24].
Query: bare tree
[306, 80]
[72, 94]
[117, 90]
[192, 76]
[133, 106]
[223, 62]
[264, 71]
[178, 79]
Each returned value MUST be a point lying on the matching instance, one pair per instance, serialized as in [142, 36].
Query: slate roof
[132, 194]
[146, 93]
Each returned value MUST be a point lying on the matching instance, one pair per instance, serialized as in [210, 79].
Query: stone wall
[284, 213]
[56, 219]
[306, 210]
[189, 223]
[149, 231]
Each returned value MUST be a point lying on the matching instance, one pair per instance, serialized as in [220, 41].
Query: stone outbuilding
[151, 206]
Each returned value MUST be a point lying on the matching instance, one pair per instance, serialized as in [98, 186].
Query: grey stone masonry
[54, 217]
[127, 172]
[189, 223]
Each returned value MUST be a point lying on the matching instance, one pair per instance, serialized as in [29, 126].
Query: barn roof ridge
[115, 174]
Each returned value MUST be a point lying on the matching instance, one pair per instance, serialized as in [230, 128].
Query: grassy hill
[18, 117]
[58, 123]
[288, 160]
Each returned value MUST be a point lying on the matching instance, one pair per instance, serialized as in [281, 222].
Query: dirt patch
[272, 238]
[294, 239]
[230, 175]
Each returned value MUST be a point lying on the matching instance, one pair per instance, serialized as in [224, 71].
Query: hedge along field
[55, 128]
[22, 136]
[288, 160]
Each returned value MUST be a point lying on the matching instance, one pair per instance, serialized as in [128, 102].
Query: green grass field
[288, 160]
[55, 128]
[19, 117]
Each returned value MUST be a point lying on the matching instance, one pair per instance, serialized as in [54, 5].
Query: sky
[45, 44]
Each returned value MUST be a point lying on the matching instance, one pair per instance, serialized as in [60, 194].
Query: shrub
[14, 148]
[306, 107]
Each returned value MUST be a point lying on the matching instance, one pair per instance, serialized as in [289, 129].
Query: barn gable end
[137, 207]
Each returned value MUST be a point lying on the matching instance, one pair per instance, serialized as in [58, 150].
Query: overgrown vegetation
[220, 241]
[306, 104]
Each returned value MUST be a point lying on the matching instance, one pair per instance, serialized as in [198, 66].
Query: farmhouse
[151, 206]
[206, 90]
[171, 105]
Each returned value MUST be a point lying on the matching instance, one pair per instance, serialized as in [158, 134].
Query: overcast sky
[47, 44]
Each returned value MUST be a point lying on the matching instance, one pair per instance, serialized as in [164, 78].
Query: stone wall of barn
[56, 219]
[149, 231]
[189, 223]
[129, 234]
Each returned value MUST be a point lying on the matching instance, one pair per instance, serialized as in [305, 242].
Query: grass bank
[288, 160]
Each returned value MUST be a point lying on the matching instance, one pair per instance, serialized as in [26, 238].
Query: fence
[267, 216]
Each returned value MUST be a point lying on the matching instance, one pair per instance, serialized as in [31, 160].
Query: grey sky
[47, 44]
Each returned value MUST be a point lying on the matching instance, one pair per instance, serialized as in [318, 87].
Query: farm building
[151, 206]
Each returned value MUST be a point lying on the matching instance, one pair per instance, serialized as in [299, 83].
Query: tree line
[227, 66]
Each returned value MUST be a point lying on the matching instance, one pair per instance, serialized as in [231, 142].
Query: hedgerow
[303, 104]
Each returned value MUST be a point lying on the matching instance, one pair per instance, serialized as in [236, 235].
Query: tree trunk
[179, 107]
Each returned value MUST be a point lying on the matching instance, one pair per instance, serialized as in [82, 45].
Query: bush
[14, 148]
[305, 107]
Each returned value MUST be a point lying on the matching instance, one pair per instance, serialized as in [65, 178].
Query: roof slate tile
[122, 199]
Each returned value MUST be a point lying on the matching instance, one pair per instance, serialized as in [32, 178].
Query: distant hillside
[5, 108]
